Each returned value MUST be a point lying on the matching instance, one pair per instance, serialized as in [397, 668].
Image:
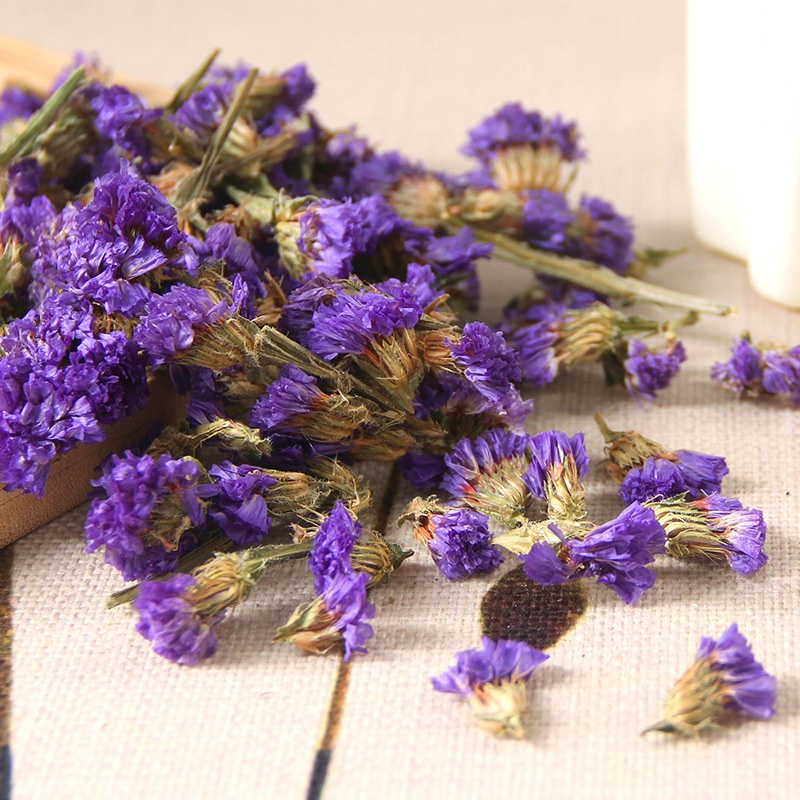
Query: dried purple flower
[742, 372]
[649, 371]
[629, 452]
[724, 679]
[171, 622]
[110, 249]
[716, 528]
[615, 553]
[352, 323]
[459, 540]
[144, 519]
[559, 465]
[171, 322]
[657, 477]
[335, 619]
[601, 235]
[59, 381]
[545, 218]
[237, 501]
[18, 103]
[493, 679]
[333, 546]
[487, 473]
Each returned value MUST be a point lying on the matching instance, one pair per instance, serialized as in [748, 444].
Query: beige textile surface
[95, 714]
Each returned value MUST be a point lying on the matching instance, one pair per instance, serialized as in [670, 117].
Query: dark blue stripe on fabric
[5, 772]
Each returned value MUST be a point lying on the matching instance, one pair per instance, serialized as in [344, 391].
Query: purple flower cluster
[170, 322]
[745, 684]
[333, 546]
[494, 662]
[343, 591]
[649, 371]
[171, 622]
[237, 504]
[137, 490]
[490, 370]
[461, 544]
[601, 235]
[615, 553]
[546, 216]
[471, 463]
[550, 453]
[683, 472]
[352, 323]
[512, 125]
[740, 531]
[106, 250]
[59, 382]
[752, 371]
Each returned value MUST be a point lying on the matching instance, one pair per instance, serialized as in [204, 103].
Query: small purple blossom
[237, 502]
[352, 323]
[125, 521]
[535, 345]
[461, 544]
[240, 257]
[494, 662]
[488, 362]
[755, 370]
[742, 372]
[601, 235]
[615, 553]
[203, 111]
[512, 125]
[686, 471]
[550, 452]
[333, 546]
[657, 477]
[18, 103]
[545, 218]
[649, 371]
[121, 119]
[292, 395]
[702, 471]
[741, 531]
[170, 621]
[345, 600]
[107, 250]
[470, 462]
[746, 686]
[171, 322]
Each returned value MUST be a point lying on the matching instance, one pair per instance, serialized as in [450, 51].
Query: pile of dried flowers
[303, 291]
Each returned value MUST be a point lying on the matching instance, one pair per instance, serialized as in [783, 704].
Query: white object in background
[716, 112]
[744, 136]
[773, 210]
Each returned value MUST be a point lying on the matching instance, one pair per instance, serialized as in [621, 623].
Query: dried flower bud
[724, 679]
[713, 528]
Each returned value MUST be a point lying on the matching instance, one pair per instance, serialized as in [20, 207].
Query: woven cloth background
[95, 714]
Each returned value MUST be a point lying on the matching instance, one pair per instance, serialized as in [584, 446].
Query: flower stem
[42, 119]
[593, 276]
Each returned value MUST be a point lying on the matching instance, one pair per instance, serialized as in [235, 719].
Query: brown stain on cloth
[525, 611]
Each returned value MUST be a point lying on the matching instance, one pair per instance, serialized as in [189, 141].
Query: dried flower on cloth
[493, 679]
[724, 679]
